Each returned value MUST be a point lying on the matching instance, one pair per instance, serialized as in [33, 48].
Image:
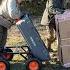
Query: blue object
[33, 39]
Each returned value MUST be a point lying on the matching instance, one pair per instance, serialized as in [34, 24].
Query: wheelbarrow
[37, 51]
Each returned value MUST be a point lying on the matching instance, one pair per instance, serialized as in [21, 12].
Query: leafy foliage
[35, 7]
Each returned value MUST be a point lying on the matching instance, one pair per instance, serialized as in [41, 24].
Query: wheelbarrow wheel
[33, 64]
[9, 55]
[4, 65]
[3, 37]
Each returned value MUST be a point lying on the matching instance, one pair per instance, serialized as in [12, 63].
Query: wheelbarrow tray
[35, 44]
